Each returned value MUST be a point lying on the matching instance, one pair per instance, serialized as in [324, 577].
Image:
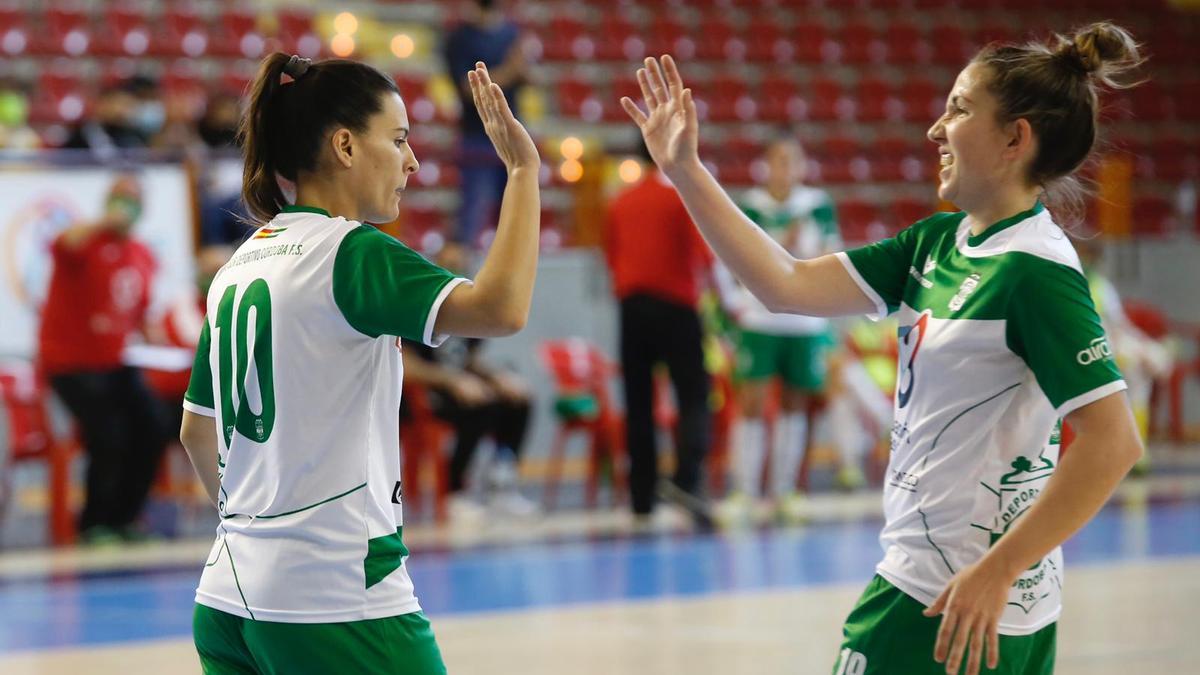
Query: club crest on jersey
[964, 291]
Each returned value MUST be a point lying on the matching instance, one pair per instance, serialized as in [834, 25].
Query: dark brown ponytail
[286, 122]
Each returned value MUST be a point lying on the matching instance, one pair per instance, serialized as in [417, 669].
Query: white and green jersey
[805, 223]
[998, 341]
[299, 364]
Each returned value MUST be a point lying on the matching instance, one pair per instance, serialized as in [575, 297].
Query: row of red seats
[122, 29]
[765, 39]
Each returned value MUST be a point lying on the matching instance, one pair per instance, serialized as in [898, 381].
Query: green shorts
[229, 644]
[801, 360]
[887, 633]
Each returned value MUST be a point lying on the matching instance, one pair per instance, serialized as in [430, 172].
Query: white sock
[787, 451]
[749, 451]
[847, 431]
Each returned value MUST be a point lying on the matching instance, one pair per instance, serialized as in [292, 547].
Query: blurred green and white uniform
[789, 346]
[999, 340]
[299, 364]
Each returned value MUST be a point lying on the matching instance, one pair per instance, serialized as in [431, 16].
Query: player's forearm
[199, 438]
[1084, 480]
[764, 266]
[505, 280]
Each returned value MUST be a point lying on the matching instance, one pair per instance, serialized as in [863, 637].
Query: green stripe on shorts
[231, 645]
[887, 633]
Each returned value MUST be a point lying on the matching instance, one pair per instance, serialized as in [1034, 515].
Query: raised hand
[670, 129]
[512, 142]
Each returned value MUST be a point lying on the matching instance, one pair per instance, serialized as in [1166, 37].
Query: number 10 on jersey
[251, 339]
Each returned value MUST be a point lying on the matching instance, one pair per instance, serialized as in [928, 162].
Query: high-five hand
[513, 144]
[670, 129]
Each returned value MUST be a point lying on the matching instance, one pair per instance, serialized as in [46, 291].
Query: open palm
[670, 129]
[510, 138]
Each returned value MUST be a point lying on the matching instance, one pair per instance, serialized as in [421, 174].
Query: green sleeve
[881, 269]
[383, 287]
[1053, 326]
[200, 390]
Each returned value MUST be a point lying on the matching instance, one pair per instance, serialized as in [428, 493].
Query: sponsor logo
[964, 291]
[396, 493]
[930, 265]
[910, 343]
[1097, 350]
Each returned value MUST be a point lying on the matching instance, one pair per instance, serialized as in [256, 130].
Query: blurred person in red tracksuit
[658, 262]
[99, 295]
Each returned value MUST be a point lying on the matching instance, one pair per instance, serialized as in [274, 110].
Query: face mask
[149, 117]
[126, 208]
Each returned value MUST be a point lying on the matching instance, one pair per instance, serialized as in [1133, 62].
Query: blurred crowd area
[832, 97]
[858, 81]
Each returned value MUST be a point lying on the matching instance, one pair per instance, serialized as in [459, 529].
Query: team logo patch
[964, 291]
[269, 232]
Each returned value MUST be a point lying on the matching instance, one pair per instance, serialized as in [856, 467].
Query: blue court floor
[130, 606]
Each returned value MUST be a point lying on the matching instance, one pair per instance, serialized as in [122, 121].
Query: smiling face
[971, 143]
[382, 162]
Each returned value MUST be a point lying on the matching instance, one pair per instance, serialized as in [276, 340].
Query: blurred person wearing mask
[477, 399]
[112, 127]
[98, 296]
[485, 35]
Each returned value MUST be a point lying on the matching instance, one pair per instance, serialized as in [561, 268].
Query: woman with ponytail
[999, 340]
[291, 414]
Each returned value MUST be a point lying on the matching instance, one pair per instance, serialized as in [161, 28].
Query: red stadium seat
[907, 45]
[766, 41]
[559, 36]
[718, 41]
[669, 36]
[67, 32]
[811, 42]
[727, 99]
[779, 99]
[237, 35]
[1152, 102]
[859, 221]
[905, 212]
[297, 33]
[577, 99]
[181, 32]
[950, 46]
[618, 39]
[860, 44]
[876, 101]
[611, 103]
[923, 100]
[827, 101]
[990, 32]
[125, 31]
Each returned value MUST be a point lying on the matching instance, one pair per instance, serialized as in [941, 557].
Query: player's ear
[342, 144]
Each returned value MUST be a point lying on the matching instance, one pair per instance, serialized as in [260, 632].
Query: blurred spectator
[478, 399]
[149, 114]
[15, 132]
[218, 125]
[786, 347]
[99, 295]
[657, 258]
[485, 35]
[111, 128]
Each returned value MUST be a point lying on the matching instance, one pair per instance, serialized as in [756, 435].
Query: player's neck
[325, 196]
[1005, 204]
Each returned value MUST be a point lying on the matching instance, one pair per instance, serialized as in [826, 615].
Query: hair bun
[1102, 50]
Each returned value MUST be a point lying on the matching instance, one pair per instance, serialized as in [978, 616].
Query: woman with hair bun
[291, 416]
[999, 343]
